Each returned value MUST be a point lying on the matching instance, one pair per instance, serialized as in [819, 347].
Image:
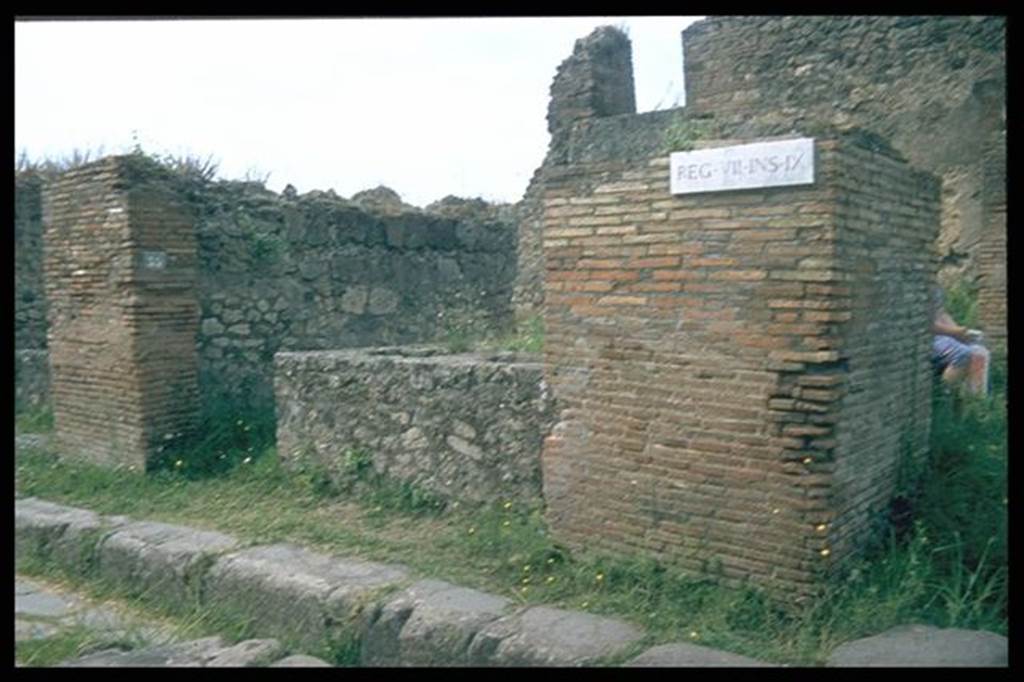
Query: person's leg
[953, 374]
[977, 381]
[954, 355]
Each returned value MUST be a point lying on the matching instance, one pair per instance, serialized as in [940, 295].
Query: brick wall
[120, 273]
[886, 220]
[991, 255]
[466, 426]
[709, 359]
[933, 86]
[594, 82]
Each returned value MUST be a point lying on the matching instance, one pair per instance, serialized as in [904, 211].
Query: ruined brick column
[991, 251]
[740, 374]
[120, 272]
[595, 81]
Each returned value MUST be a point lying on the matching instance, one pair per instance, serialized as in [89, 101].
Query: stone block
[924, 646]
[685, 655]
[161, 560]
[54, 532]
[431, 623]
[248, 654]
[545, 636]
[292, 592]
[300, 661]
[191, 654]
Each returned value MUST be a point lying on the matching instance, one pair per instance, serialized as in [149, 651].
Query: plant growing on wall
[682, 135]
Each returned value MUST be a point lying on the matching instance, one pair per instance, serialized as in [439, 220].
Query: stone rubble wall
[934, 86]
[306, 272]
[31, 379]
[699, 347]
[465, 427]
[29, 294]
[315, 272]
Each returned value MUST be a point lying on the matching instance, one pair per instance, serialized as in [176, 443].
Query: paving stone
[25, 630]
[544, 636]
[924, 646]
[301, 661]
[35, 441]
[248, 654]
[65, 535]
[193, 653]
[98, 618]
[431, 623]
[291, 591]
[44, 604]
[159, 557]
[685, 655]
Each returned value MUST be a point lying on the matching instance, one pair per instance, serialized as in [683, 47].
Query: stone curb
[290, 591]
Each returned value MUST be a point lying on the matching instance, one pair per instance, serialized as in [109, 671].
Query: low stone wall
[466, 426]
[31, 378]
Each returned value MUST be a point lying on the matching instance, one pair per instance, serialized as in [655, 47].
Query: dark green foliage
[961, 299]
[682, 135]
[230, 432]
[33, 419]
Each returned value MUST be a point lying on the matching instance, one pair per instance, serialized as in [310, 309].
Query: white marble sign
[154, 260]
[761, 164]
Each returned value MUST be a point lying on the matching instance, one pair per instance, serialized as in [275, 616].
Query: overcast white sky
[428, 107]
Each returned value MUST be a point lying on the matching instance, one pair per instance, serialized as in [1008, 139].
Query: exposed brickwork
[934, 86]
[726, 363]
[120, 271]
[991, 254]
[595, 81]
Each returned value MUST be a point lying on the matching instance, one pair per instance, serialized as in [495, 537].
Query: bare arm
[944, 324]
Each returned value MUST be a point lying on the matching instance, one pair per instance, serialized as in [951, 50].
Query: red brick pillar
[120, 272]
[991, 251]
[739, 373]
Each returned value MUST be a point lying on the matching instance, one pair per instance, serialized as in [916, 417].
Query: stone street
[108, 635]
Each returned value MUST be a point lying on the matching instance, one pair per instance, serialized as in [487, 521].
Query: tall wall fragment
[933, 86]
[739, 373]
[120, 273]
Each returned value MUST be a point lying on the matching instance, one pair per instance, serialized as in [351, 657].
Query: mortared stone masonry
[120, 273]
[738, 374]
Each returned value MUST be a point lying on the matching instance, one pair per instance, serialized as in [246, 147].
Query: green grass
[65, 645]
[36, 419]
[526, 335]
